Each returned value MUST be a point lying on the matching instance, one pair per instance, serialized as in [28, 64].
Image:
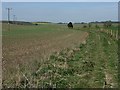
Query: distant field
[51, 55]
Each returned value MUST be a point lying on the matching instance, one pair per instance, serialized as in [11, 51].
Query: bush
[84, 26]
[36, 24]
[70, 25]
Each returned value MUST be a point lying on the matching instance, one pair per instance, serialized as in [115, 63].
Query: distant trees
[70, 25]
[61, 23]
[82, 23]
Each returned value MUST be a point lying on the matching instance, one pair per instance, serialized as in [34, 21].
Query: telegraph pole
[14, 16]
[8, 9]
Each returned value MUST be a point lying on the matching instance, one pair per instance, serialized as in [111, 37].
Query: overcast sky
[62, 11]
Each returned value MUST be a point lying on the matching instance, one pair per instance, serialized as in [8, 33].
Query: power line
[14, 17]
[9, 14]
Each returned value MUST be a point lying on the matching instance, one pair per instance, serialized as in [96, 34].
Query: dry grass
[25, 45]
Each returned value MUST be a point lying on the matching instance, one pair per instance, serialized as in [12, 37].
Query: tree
[70, 25]
[36, 24]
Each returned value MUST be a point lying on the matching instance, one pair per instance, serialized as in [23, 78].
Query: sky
[61, 11]
[60, 0]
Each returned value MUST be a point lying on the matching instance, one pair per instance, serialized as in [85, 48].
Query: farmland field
[51, 55]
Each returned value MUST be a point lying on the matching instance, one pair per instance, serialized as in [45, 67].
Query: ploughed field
[51, 55]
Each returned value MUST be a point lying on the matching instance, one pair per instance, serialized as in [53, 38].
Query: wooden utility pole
[8, 9]
[14, 16]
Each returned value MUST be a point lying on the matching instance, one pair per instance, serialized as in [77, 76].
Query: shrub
[70, 25]
[84, 26]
